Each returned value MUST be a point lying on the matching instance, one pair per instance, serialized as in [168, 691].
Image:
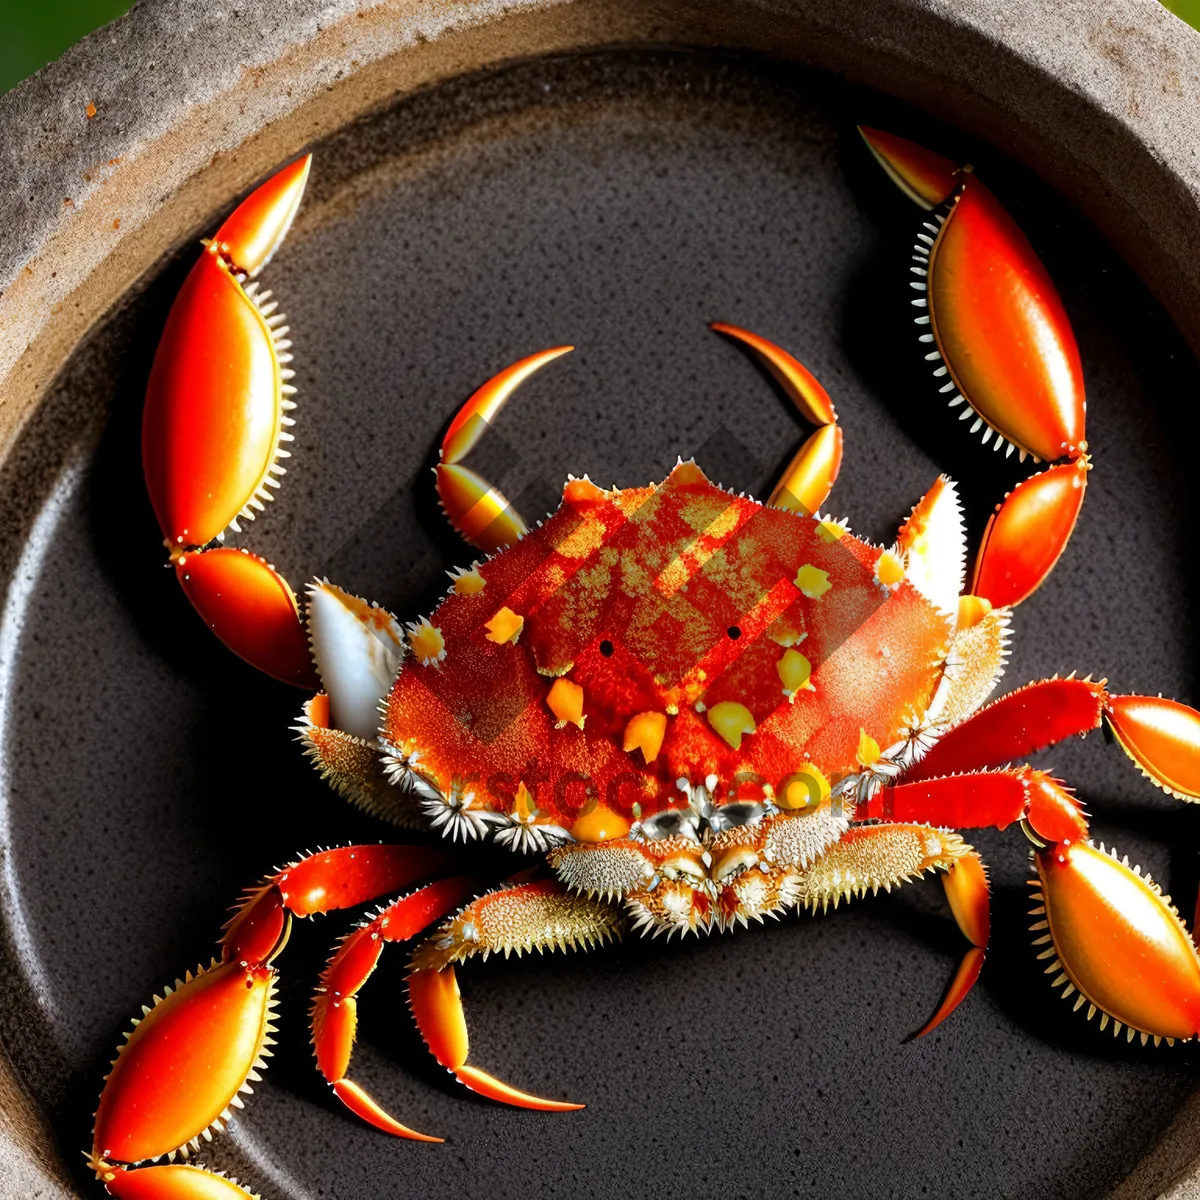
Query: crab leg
[540, 915]
[809, 478]
[174, 1181]
[335, 1006]
[1000, 343]
[187, 1061]
[984, 799]
[870, 857]
[479, 512]
[1161, 736]
[215, 423]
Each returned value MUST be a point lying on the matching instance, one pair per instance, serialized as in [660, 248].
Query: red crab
[701, 710]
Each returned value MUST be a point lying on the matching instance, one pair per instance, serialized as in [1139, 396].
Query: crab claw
[999, 329]
[174, 1181]
[434, 997]
[358, 649]
[809, 478]
[1117, 941]
[255, 229]
[924, 177]
[1162, 737]
[251, 608]
[1028, 533]
[479, 512]
[218, 392]
[184, 1064]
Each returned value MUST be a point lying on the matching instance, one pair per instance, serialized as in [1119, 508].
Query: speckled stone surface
[619, 201]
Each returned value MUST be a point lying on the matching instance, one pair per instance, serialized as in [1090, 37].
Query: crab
[693, 709]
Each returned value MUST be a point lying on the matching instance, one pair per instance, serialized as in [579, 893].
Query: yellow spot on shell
[523, 803]
[794, 670]
[426, 642]
[805, 788]
[645, 732]
[732, 721]
[812, 581]
[601, 824]
[831, 531]
[868, 749]
[469, 583]
[889, 570]
[505, 626]
[565, 701]
[972, 610]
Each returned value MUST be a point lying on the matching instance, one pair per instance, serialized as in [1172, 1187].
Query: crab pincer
[216, 423]
[997, 336]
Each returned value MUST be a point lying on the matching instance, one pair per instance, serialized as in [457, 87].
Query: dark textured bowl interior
[618, 201]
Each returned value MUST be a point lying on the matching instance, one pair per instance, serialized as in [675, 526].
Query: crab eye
[740, 812]
[672, 822]
[606, 648]
[735, 632]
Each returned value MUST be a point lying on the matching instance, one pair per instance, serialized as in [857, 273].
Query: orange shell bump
[1002, 329]
[1119, 942]
[184, 1063]
[213, 407]
[251, 608]
[1163, 738]
[1028, 533]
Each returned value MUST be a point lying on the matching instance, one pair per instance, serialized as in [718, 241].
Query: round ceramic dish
[489, 182]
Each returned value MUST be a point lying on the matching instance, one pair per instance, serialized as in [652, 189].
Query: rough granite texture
[194, 102]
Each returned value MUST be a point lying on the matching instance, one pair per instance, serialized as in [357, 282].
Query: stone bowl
[490, 179]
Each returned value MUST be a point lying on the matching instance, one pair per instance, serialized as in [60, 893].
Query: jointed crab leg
[216, 419]
[539, 915]
[335, 1007]
[190, 1057]
[999, 342]
[1161, 736]
[984, 799]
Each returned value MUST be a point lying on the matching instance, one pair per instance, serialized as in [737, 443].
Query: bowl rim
[120, 149]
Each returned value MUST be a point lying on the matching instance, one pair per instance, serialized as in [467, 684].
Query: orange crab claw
[472, 420]
[481, 514]
[800, 385]
[1163, 738]
[254, 230]
[924, 177]
[217, 394]
[1028, 533]
[251, 608]
[174, 1181]
[437, 1007]
[1117, 941]
[1001, 330]
[809, 478]
[185, 1063]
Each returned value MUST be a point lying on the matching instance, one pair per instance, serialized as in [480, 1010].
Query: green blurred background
[35, 32]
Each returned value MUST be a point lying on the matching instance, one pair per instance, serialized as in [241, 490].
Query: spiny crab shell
[742, 649]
